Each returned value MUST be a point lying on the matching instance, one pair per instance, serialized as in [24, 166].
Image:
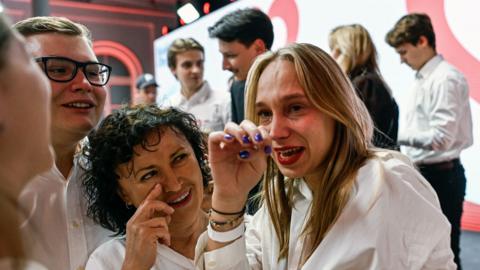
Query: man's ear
[423, 42]
[259, 46]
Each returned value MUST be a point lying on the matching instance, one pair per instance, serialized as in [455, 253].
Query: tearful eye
[295, 108]
[264, 117]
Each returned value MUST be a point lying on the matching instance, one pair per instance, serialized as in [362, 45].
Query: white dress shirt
[111, 254]
[57, 230]
[392, 221]
[212, 109]
[438, 125]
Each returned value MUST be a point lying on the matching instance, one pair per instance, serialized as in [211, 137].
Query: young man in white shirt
[438, 125]
[58, 231]
[211, 108]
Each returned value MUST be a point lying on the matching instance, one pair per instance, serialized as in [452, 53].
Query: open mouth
[287, 156]
[180, 200]
[78, 105]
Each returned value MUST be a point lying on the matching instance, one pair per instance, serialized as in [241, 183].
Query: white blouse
[392, 221]
[111, 254]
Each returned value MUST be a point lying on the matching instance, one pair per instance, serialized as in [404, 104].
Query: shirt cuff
[226, 257]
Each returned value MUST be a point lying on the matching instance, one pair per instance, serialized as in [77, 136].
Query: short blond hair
[182, 45]
[47, 24]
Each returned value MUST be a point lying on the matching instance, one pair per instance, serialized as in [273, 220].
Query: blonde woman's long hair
[354, 46]
[330, 91]
[11, 246]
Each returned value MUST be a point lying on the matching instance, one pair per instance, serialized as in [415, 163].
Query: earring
[128, 205]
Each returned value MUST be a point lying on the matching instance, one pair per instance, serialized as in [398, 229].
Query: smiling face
[189, 69]
[76, 105]
[238, 58]
[301, 134]
[172, 164]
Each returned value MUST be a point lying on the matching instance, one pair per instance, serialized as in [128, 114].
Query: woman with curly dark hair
[147, 171]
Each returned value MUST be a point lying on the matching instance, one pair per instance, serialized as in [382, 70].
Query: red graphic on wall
[448, 45]
[287, 10]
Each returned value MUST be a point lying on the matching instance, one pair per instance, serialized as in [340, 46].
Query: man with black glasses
[58, 230]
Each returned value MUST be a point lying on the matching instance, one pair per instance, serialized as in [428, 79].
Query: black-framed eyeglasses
[62, 69]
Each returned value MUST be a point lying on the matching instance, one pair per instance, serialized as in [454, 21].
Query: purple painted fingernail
[245, 139]
[267, 149]
[228, 136]
[244, 154]
[258, 137]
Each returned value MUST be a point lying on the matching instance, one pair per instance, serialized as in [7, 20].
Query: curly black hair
[112, 144]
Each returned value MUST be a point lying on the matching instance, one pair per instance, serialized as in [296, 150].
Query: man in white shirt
[438, 126]
[57, 229]
[211, 108]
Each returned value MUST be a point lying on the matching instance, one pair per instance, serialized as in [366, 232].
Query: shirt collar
[199, 97]
[429, 67]
[301, 190]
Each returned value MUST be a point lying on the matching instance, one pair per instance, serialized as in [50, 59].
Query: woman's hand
[237, 159]
[145, 230]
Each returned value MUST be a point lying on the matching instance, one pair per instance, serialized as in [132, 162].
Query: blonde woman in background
[353, 49]
[331, 201]
[24, 139]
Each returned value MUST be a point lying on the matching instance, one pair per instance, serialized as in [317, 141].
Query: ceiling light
[188, 13]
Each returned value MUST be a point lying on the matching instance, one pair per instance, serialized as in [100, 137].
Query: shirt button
[211, 264]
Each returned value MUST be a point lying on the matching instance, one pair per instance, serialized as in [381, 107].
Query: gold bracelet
[224, 225]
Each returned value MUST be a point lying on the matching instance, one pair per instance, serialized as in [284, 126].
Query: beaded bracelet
[224, 225]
